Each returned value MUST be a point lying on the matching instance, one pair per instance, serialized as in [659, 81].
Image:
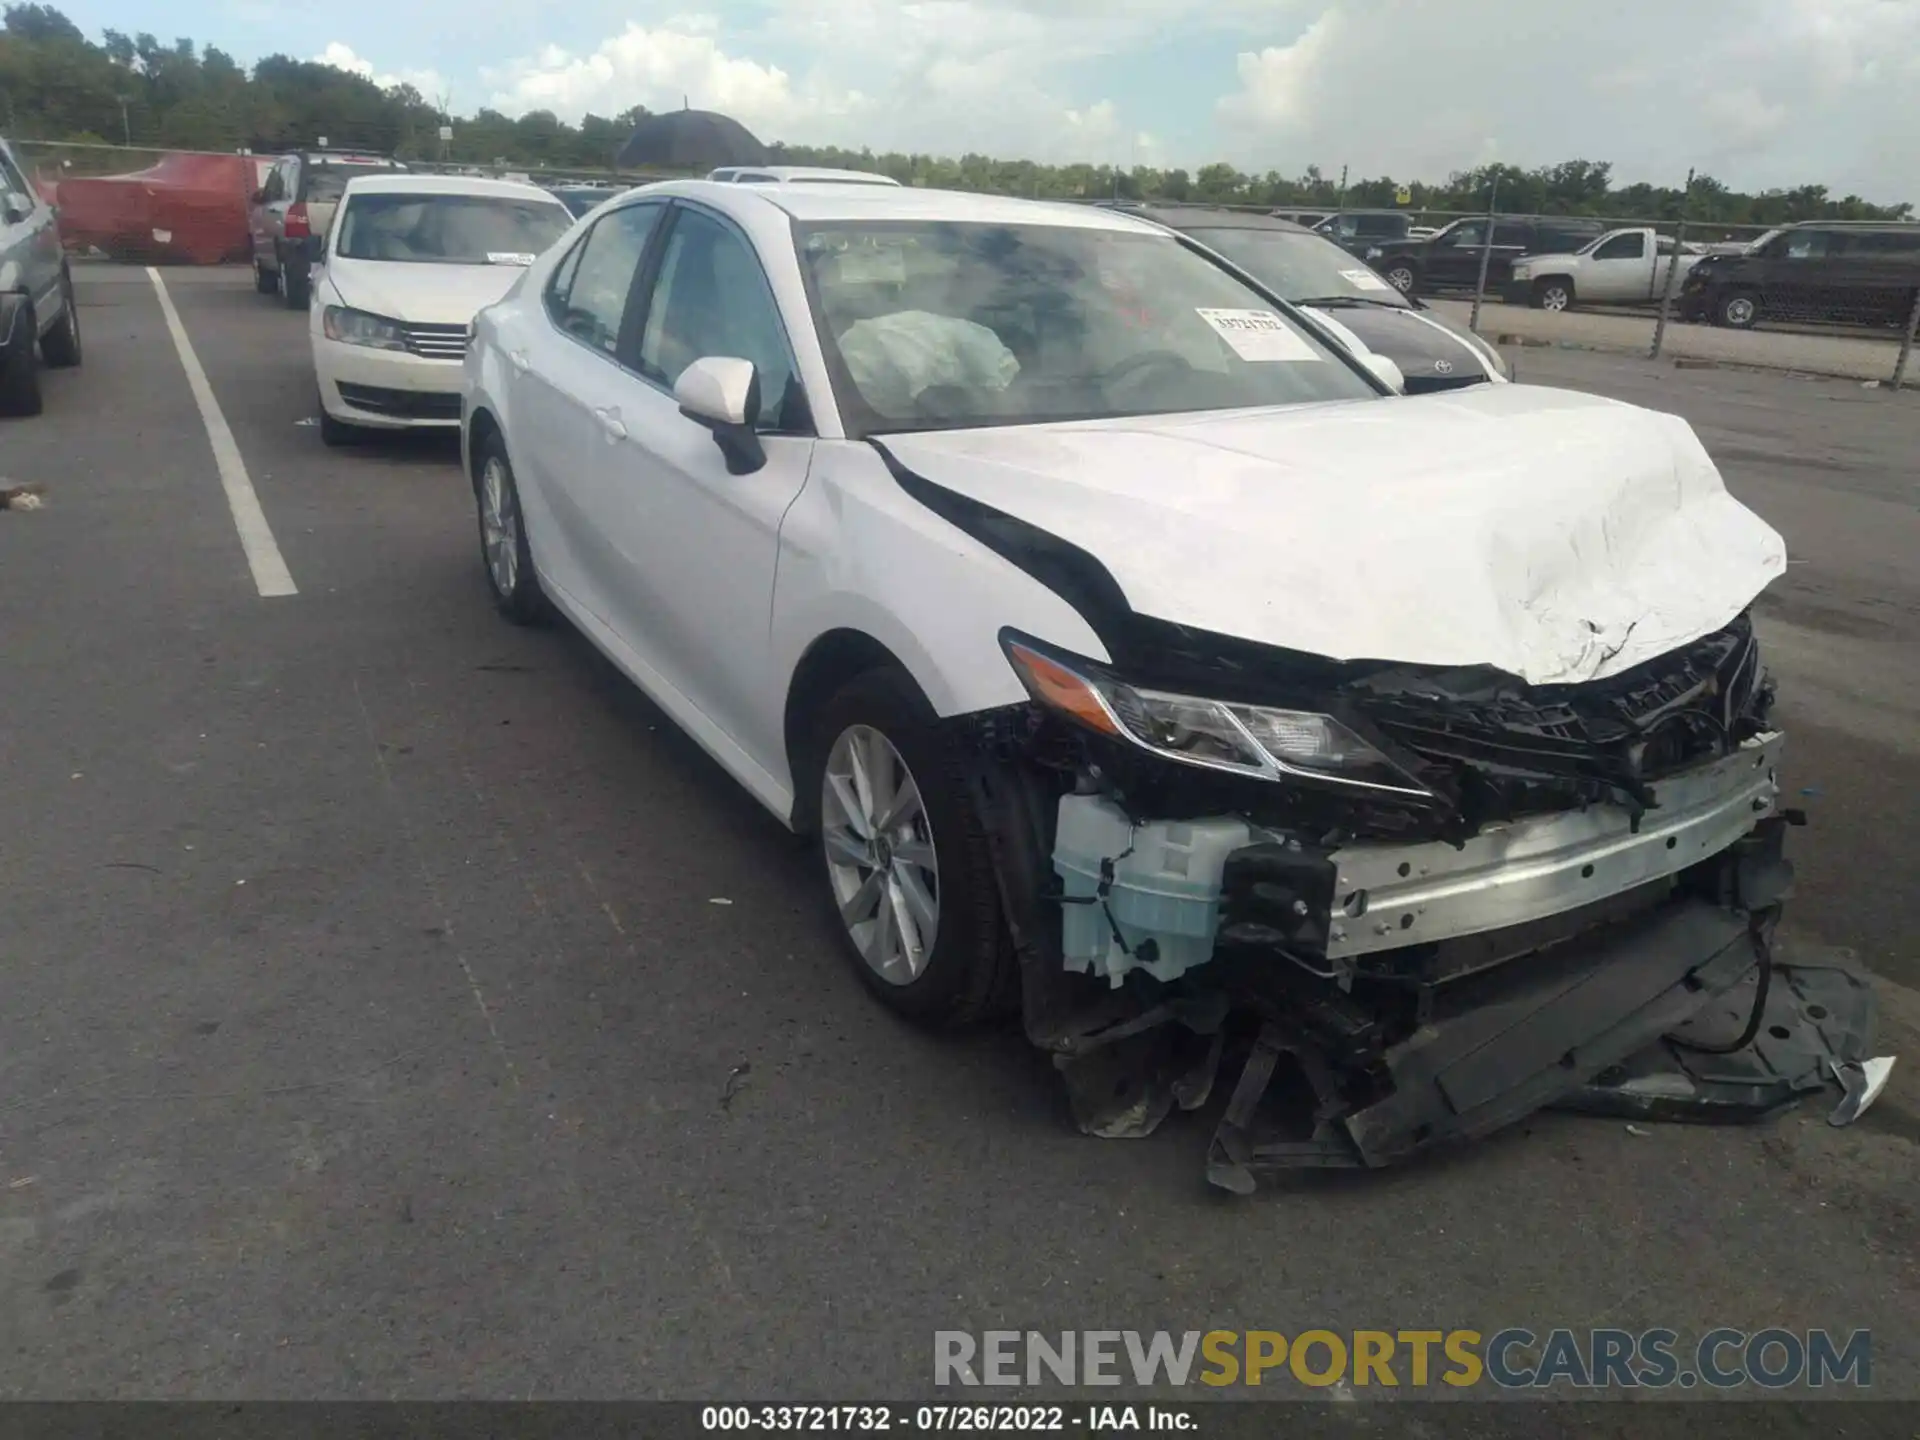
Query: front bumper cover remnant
[1583, 1012]
[1815, 1032]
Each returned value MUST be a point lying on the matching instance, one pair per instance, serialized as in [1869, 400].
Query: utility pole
[1343, 188]
[1486, 254]
[126, 126]
[1673, 269]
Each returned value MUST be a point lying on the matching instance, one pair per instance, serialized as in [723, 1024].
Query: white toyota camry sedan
[1137, 660]
[405, 264]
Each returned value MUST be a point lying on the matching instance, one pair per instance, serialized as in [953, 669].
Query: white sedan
[1108, 626]
[406, 263]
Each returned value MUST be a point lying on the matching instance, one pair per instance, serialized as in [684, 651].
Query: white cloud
[430, 83]
[1763, 92]
[678, 62]
[1757, 92]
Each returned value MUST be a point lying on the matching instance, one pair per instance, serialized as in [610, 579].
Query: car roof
[1849, 225]
[349, 157]
[814, 204]
[1208, 217]
[407, 183]
[810, 173]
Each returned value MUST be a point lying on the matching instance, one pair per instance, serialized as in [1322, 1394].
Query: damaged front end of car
[1421, 903]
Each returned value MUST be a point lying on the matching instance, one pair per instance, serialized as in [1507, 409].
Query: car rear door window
[712, 299]
[588, 294]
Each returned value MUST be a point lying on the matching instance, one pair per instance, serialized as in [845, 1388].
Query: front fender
[858, 553]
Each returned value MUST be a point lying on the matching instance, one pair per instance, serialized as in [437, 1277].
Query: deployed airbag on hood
[1557, 536]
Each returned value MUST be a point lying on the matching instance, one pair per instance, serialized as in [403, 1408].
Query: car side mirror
[15, 208]
[722, 393]
[1385, 370]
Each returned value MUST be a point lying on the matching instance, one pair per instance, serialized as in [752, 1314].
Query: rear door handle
[610, 422]
[518, 359]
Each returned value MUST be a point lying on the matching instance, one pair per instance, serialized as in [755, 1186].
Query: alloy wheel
[500, 526]
[881, 860]
[1740, 311]
[1554, 297]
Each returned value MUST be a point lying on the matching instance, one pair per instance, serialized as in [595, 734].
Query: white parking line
[270, 573]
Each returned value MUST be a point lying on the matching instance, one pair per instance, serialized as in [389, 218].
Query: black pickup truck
[1449, 259]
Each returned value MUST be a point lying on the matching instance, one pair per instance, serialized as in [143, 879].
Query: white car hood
[1557, 536]
[421, 294]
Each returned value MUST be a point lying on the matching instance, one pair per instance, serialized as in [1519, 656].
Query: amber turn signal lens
[1058, 688]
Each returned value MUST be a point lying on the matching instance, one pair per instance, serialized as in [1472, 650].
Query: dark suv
[289, 213]
[1356, 230]
[1449, 259]
[1854, 273]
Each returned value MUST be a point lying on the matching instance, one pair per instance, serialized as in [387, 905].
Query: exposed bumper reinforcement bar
[1387, 896]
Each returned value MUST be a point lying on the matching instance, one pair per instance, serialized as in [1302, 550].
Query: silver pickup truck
[1621, 267]
[37, 317]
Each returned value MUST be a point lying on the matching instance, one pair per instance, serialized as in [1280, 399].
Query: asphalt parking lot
[396, 1004]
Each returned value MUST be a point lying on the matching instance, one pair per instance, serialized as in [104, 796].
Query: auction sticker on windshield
[1365, 280]
[1259, 336]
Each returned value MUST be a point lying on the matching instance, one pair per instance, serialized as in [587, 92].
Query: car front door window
[588, 295]
[1623, 247]
[711, 299]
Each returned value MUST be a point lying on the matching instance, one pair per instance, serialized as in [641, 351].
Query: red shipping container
[183, 210]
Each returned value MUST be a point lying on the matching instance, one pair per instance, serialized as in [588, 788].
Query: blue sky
[1757, 92]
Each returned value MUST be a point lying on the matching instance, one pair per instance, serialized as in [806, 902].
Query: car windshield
[450, 229]
[942, 325]
[1299, 267]
[326, 183]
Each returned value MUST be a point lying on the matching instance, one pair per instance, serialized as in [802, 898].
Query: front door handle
[610, 422]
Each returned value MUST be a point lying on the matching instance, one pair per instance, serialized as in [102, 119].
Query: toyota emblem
[1443, 367]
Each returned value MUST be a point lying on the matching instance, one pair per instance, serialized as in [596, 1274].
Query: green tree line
[56, 85]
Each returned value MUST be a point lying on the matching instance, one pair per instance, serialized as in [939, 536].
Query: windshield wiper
[1342, 300]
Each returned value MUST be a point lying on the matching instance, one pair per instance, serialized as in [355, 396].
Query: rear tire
[20, 368]
[293, 281]
[504, 551]
[60, 346]
[879, 886]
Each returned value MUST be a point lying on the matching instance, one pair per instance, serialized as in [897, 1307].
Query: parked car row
[1006, 552]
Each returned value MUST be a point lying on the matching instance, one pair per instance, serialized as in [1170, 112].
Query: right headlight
[1259, 741]
[357, 327]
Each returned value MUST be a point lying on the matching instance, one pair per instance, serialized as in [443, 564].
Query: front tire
[60, 346]
[337, 434]
[20, 368]
[909, 884]
[503, 538]
[1737, 310]
[1554, 293]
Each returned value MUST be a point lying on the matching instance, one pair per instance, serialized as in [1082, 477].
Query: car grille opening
[402, 404]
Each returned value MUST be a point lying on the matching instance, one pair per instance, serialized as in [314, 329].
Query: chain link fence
[1844, 305]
